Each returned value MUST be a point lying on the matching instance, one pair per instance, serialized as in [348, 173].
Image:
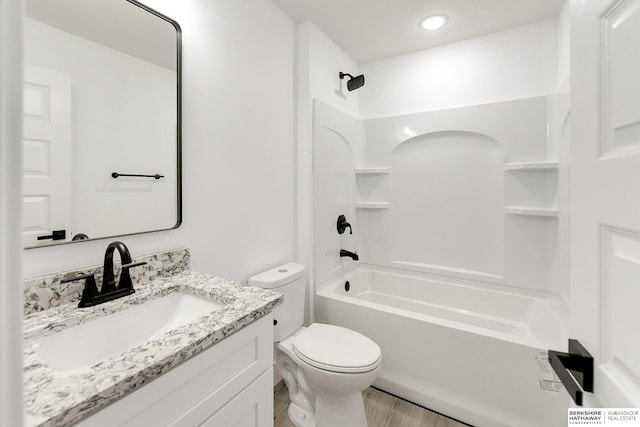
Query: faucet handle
[76, 278]
[125, 277]
[132, 264]
[90, 288]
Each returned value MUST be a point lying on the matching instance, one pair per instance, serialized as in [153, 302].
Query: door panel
[605, 194]
[46, 153]
[620, 69]
[620, 283]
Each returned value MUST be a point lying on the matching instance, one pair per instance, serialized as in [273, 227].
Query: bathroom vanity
[208, 361]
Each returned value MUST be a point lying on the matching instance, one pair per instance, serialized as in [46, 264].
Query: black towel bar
[116, 174]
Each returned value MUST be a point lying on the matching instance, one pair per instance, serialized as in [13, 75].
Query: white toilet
[325, 367]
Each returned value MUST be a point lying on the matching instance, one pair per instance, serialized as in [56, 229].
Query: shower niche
[531, 189]
[373, 188]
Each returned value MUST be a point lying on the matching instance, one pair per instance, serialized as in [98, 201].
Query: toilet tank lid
[278, 276]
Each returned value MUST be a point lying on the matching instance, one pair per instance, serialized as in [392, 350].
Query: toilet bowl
[325, 367]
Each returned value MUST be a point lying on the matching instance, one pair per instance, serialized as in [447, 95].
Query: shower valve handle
[342, 225]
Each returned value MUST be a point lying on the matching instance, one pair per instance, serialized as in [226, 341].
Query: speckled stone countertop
[57, 399]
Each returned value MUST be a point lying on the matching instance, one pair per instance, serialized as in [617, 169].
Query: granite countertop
[56, 399]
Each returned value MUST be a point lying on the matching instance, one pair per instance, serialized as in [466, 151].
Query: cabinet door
[253, 407]
[191, 392]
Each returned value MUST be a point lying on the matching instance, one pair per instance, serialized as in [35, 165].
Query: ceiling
[368, 30]
[119, 25]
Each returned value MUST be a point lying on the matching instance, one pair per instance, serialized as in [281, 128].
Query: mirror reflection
[101, 103]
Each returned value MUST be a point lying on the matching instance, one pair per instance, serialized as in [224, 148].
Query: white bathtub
[473, 351]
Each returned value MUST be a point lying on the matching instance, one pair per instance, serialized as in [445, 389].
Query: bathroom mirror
[102, 125]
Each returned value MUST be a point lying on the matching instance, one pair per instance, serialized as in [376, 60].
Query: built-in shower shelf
[373, 171]
[517, 210]
[372, 205]
[530, 166]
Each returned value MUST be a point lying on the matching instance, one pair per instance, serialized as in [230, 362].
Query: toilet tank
[287, 279]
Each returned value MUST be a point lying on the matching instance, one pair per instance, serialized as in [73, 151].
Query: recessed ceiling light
[433, 22]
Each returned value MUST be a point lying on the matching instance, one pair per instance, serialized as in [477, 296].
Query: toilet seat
[336, 349]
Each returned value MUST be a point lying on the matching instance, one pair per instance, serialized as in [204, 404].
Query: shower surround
[466, 198]
[468, 192]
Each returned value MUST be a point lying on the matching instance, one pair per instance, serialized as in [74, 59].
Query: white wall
[120, 122]
[319, 62]
[518, 63]
[10, 209]
[564, 56]
[326, 60]
[238, 153]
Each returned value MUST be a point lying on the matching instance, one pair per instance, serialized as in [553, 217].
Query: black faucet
[108, 279]
[353, 255]
[109, 291]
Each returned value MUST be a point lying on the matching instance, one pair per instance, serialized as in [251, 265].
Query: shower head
[354, 82]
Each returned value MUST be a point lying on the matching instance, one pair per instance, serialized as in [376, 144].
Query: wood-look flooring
[383, 410]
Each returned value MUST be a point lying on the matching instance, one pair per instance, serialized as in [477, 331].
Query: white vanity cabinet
[228, 385]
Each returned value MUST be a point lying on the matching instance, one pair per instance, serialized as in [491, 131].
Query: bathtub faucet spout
[352, 255]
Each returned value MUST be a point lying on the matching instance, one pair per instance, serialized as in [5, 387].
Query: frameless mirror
[101, 121]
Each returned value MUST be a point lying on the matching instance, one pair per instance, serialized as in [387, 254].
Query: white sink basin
[97, 340]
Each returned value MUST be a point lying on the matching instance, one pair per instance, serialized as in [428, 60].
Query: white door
[605, 195]
[46, 154]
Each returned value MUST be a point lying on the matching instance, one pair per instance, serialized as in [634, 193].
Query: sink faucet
[352, 255]
[109, 291]
[108, 279]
